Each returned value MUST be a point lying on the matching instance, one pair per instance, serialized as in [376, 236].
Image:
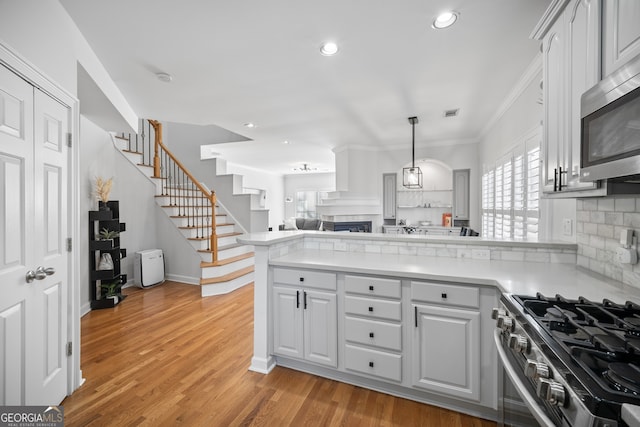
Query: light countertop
[272, 237]
[509, 276]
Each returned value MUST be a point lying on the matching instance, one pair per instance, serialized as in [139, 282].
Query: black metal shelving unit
[107, 217]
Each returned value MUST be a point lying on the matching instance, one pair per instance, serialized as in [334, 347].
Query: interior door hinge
[69, 245]
[69, 348]
[69, 139]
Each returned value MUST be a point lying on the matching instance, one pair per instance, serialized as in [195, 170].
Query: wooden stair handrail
[211, 195]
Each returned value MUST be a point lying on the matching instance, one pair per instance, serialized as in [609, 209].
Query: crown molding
[548, 18]
[525, 80]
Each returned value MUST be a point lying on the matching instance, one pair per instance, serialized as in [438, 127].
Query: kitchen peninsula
[407, 315]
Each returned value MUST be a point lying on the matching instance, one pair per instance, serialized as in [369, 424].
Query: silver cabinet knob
[505, 323]
[535, 370]
[551, 391]
[518, 343]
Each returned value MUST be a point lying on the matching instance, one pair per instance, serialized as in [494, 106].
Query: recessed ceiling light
[445, 19]
[285, 142]
[249, 125]
[164, 77]
[329, 49]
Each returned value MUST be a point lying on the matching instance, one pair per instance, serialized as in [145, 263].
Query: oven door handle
[532, 404]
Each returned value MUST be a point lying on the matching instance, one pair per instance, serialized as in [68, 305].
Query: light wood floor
[167, 357]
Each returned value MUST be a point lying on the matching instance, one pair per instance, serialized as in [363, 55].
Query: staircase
[193, 208]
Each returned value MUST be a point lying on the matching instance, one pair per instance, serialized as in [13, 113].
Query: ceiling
[241, 61]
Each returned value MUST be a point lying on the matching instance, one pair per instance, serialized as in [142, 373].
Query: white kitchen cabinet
[389, 188]
[461, 194]
[621, 33]
[446, 339]
[571, 65]
[373, 327]
[305, 319]
[446, 352]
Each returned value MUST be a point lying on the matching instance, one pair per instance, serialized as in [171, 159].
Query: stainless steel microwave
[610, 126]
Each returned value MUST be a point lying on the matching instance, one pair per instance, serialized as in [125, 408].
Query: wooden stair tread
[193, 227]
[178, 196]
[226, 261]
[192, 216]
[131, 151]
[235, 233]
[121, 137]
[147, 166]
[227, 277]
[223, 248]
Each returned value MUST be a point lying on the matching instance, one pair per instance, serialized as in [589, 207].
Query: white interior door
[33, 229]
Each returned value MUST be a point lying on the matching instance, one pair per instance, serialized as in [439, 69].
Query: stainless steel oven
[610, 134]
[572, 362]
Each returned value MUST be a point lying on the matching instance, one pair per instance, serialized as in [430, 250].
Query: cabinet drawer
[372, 307]
[374, 333]
[373, 362]
[309, 279]
[465, 296]
[373, 286]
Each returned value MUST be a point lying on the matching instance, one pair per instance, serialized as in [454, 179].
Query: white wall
[455, 155]
[273, 184]
[138, 210]
[303, 182]
[522, 116]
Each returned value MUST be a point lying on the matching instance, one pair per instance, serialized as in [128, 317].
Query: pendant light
[412, 177]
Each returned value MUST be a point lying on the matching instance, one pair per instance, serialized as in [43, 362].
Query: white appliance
[148, 269]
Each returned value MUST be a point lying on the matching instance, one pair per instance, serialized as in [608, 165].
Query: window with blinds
[510, 194]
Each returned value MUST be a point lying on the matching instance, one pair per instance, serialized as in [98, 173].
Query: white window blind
[510, 194]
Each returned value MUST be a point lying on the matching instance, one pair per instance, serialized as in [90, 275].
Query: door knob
[39, 274]
[49, 271]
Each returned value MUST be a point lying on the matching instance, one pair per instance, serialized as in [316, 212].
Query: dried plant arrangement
[103, 188]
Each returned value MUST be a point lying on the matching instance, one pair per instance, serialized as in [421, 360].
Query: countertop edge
[269, 238]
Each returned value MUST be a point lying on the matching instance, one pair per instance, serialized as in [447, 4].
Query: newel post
[213, 237]
[157, 128]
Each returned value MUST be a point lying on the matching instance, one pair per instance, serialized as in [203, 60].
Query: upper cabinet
[389, 183]
[460, 194]
[571, 65]
[621, 33]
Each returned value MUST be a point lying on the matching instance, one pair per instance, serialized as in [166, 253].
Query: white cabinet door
[583, 71]
[553, 91]
[321, 328]
[446, 351]
[621, 33]
[461, 194]
[571, 60]
[389, 183]
[287, 322]
[305, 325]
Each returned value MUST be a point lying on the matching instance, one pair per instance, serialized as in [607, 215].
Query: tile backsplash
[599, 222]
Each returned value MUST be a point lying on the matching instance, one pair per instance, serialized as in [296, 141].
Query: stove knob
[505, 323]
[497, 312]
[535, 370]
[518, 343]
[551, 391]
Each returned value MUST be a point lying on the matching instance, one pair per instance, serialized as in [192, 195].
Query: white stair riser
[209, 272]
[224, 241]
[183, 211]
[226, 287]
[134, 158]
[229, 253]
